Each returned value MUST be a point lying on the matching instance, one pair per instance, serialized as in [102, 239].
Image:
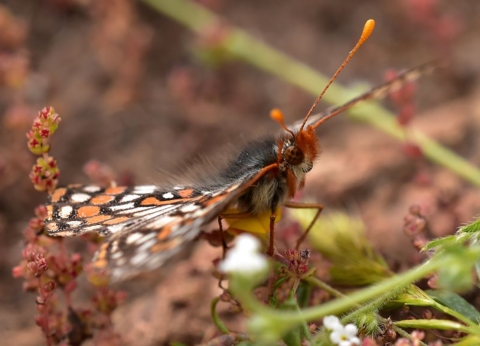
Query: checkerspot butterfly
[144, 226]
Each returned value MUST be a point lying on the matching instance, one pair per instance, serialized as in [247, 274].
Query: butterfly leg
[271, 241]
[296, 205]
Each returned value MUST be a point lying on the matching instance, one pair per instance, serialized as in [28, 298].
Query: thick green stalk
[240, 44]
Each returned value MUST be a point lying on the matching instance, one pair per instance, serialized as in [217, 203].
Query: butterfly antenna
[367, 31]
[277, 115]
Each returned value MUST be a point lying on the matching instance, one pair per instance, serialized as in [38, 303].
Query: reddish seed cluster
[50, 271]
[297, 260]
[45, 173]
[403, 101]
[415, 226]
[44, 126]
[442, 28]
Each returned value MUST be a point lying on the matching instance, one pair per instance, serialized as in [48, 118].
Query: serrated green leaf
[439, 242]
[471, 228]
[414, 296]
[455, 302]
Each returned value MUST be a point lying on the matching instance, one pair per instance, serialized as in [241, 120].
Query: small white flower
[332, 323]
[244, 257]
[341, 335]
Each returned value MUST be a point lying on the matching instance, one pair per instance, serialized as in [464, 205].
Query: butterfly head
[297, 150]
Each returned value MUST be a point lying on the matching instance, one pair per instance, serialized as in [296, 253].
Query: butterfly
[144, 226]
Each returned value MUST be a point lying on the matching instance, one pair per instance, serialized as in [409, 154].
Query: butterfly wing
[144, 225]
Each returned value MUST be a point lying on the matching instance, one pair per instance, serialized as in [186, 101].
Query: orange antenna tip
[277, 115]
[367, 30]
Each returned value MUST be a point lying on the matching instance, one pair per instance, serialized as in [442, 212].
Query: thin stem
[404, 334]
[216, 319]
[324, 286]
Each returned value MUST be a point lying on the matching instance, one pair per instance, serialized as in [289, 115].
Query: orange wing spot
[102, 199]
[49, 212]
[155, 201]
[88, 211]
[186, 193]
[117, 220]
[58, 193]
[165, 245]
[115, 190]
[97, 219]
[164, 233]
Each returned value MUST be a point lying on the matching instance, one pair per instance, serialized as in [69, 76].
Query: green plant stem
[288, 319]
[324, 286]
[241, 45]
[405, 335]
[473, 327]
[433, 324]
[216, 318]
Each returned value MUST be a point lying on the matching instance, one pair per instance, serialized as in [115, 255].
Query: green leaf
[431, 324]
[439, 242]
[473, 227]
[336, 234]
[413, 296]
[457, 274]
[455, 302]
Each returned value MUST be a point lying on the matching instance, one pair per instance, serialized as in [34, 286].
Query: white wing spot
[147, 245]
[122, 206]
[129, 198]
[189, 208]
[178, 187]
[80, 197]
[91, 228]
[121, 261]
[65, 211]
[91, 188]
[132, 238]
[168, 195]
[144, 189]
[74, 223]
[114, 247]
[116, 255]
[165, 220]
[139, 258]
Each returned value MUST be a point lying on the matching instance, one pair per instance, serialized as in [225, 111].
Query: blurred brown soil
[132, 95]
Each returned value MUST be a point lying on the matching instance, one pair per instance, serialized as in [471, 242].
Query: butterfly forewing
[144, 225]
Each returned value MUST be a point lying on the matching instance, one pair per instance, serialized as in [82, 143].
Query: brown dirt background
[132, 94]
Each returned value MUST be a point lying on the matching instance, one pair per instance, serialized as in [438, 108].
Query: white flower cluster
[244, 257]
[339, 334]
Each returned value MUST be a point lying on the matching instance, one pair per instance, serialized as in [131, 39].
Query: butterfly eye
[293, 155]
